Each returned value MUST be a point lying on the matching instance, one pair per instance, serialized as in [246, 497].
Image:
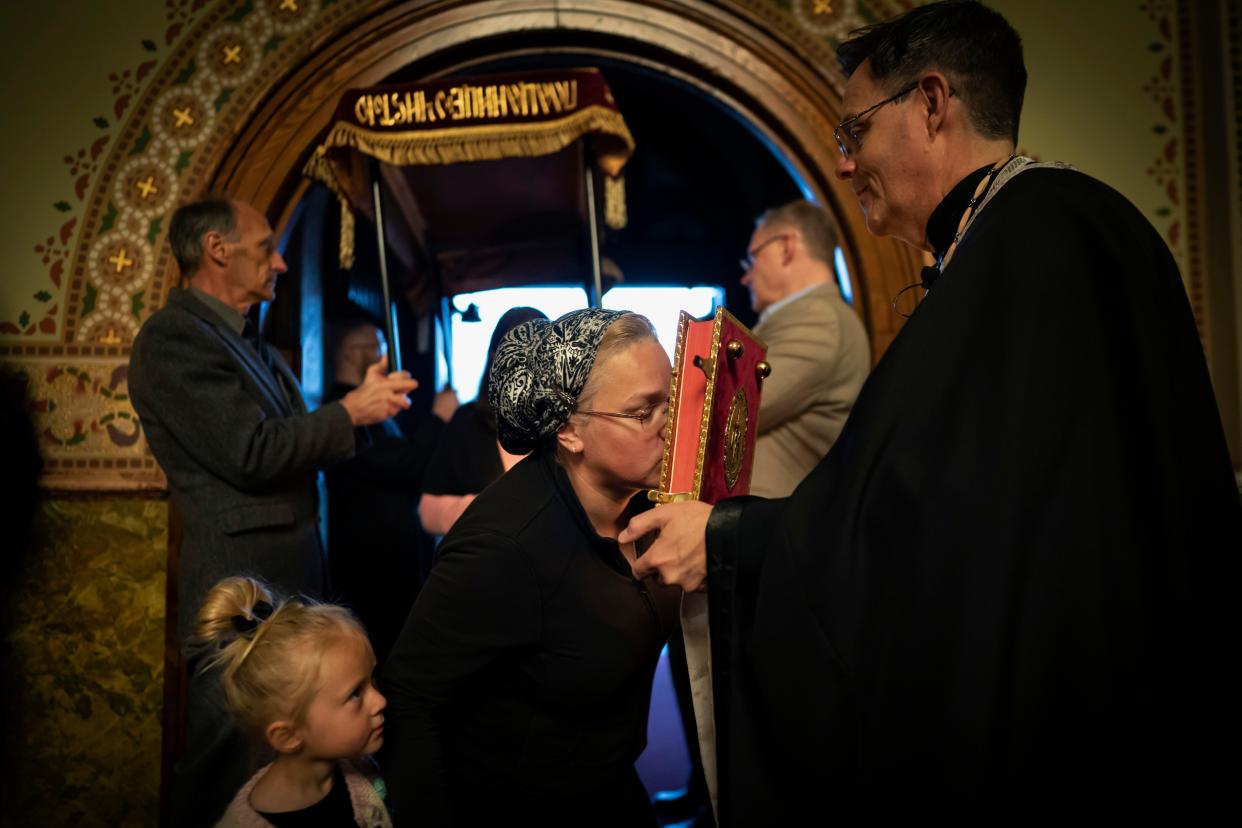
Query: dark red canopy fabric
[485, 174]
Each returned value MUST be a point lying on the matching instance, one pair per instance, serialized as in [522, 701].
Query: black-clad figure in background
[469, 457]
[375, 543]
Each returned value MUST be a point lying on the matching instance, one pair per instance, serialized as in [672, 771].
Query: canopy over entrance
[486, 180]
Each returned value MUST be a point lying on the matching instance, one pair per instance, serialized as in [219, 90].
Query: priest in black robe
[1008, 594]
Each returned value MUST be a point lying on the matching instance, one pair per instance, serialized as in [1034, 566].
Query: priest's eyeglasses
[849, 141]
[645, 416]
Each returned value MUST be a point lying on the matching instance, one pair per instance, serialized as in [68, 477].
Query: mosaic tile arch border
[108, 262]
[109, 266]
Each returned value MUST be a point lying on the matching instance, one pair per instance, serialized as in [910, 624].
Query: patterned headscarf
[539, 371]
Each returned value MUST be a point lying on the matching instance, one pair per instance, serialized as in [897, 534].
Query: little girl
[298, 675]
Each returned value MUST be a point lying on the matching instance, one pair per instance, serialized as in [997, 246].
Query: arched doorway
[725, 53]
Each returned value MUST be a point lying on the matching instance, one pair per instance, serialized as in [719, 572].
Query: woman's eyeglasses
[645, 417]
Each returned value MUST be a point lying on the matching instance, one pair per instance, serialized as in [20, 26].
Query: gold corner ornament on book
[718, 372]
[483, 118]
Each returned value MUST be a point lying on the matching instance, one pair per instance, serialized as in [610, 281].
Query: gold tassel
[347, 235]
[318, 168]
[615, 215]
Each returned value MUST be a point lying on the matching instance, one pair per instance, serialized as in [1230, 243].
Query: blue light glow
[843, 276]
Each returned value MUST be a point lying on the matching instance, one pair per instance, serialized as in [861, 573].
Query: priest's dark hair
[974, 46]
[819, 234]
[194, 220]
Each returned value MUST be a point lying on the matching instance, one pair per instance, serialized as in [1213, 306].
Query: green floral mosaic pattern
[82, 666]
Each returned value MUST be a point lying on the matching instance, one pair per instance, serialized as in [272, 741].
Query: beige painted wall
[1105, 94]
[1089, 66]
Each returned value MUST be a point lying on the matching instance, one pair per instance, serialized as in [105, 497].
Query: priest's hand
[678, 556]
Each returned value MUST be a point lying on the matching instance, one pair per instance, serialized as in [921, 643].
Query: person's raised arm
[438, 512]
[380, 396]
[196, 394]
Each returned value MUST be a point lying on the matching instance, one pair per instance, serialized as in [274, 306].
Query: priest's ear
[936, 91]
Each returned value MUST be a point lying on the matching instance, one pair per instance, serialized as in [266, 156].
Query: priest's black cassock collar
[944, 221]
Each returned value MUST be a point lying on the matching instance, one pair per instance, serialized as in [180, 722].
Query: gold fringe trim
[615, 215]
[487, 143]
[475, 143]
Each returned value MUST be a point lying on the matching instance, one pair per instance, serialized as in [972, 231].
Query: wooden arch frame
[724, 50]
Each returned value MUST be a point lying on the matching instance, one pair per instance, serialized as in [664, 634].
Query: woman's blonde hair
[270, 650]
[621, 334]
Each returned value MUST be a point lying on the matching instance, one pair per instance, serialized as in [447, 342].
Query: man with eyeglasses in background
[820, 357]
[1008, 594]
[817, 345]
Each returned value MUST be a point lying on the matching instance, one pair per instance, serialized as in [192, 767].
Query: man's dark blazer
[240, 453]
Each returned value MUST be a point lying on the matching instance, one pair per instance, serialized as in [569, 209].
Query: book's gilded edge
[747, 330]
[709, 399]
[666, 465]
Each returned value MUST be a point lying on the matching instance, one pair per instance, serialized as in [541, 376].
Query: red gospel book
[718, 371]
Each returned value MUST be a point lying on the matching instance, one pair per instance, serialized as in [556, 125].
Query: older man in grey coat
[226, 420]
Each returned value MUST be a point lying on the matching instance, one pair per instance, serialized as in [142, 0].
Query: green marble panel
[82, 665]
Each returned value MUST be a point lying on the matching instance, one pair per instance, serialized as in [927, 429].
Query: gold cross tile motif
[822, 7]
[121, 261]
[185, 117]
[147, 187]
[289, 5]
[232, 54]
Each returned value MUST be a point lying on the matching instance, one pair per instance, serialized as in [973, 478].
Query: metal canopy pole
[446, 338]
[390, 316]
[597, 287]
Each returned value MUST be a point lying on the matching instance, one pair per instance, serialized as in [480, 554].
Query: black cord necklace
[929, 273]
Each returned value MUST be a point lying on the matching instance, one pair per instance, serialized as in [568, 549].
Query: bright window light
[470, 339]
[662, 304]
[659, 304]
